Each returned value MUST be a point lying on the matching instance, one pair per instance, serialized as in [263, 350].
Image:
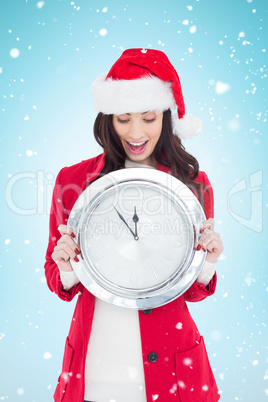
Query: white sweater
[114, 367]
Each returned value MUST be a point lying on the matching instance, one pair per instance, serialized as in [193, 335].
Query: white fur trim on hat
[186, 127]
[132, 96]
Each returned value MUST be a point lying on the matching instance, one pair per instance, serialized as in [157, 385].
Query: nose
[136, 131]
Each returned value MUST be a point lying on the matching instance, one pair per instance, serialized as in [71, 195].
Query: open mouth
[137, 147]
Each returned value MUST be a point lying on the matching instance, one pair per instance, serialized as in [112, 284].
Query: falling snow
[40, 4]
[230, 101]
[221, 88]
[193, 29]
[47, 355]
[103, 32]
[14, 53]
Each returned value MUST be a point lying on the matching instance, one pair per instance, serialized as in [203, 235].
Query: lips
[137, 147]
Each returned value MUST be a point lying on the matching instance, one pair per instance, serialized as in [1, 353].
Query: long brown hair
[169, 151]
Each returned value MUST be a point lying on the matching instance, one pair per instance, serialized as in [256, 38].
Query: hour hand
[122, 218]
[135, 220]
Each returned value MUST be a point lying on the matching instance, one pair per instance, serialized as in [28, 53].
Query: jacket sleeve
[198, 291]
[58, 215]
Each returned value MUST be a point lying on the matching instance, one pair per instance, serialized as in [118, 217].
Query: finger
[207, 237]
[66, 239]
[214, 246]
[203, 238]
[208, 224]
[64, 229]
[68, 250]
[59, 255]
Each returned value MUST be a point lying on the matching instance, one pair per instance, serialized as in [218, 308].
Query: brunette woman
[113, 353]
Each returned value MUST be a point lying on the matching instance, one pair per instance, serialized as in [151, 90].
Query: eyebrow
[142, 113]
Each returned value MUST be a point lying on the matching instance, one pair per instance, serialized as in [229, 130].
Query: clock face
[137, 229]
[137, 262]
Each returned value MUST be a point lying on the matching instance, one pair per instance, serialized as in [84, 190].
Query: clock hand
[135, 220]
[122, 218]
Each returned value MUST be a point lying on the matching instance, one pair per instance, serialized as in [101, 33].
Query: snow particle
[7, 241]
[255, 363]
[1, 70]
[20, 391]
[193, 29]
[241, 35]
[155, 397]
[205, 388]
[105, 9]
[103, 32]
[14, 53]
[187, 361]
[29, 153]
[47, 355]
[221, 87]
[190, 8]
[185, 22]
[40, 4]
[179, 325]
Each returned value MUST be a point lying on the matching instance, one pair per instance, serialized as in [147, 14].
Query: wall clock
[137, 229]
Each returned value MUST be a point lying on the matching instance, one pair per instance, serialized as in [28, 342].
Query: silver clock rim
[150, 297]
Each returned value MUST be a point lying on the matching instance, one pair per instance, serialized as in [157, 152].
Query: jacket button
[152, 357]
[147, 311]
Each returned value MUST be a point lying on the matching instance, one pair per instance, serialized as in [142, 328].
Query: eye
[149, 120]
[122, 121]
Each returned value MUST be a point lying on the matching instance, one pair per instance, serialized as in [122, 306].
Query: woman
[112, 353]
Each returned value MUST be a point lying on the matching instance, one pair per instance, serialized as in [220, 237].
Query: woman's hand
[66, 248]
[210, 241]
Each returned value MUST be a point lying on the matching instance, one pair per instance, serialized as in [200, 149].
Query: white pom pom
[187, 127]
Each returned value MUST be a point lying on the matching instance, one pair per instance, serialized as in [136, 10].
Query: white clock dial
[137, 238]
[158, 252]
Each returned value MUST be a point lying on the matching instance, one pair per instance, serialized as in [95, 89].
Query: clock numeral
[115, 272]
[172, 220]
[154, 273]
[170, 260]
[102, 255]
[105, 218]
[156, 206]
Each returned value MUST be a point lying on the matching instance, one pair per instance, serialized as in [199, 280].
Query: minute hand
[122, 218]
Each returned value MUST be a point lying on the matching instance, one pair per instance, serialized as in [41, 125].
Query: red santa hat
[144, 80]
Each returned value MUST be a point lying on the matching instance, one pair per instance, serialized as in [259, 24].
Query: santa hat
[143, 80]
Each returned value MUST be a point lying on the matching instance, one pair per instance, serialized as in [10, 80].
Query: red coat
[182, 371]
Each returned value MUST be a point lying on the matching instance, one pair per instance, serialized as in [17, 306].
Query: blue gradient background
[46, 118]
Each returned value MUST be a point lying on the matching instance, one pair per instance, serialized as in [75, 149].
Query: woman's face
[139, 134]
